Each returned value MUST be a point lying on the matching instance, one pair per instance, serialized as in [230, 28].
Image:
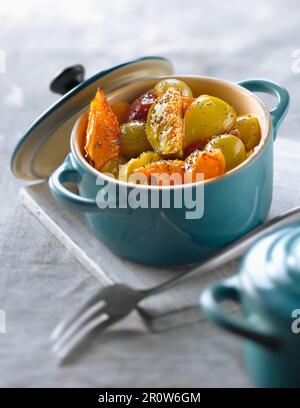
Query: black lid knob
[67, 79]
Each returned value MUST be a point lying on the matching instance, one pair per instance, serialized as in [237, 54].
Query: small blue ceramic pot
[268, 289]
[231, 205]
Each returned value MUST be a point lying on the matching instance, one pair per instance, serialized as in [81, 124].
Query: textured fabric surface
[39, 280]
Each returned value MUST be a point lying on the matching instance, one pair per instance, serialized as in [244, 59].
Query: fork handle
[230, 252]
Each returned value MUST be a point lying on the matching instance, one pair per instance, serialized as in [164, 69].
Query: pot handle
[263, 85]
[67, 173]
[229, 289]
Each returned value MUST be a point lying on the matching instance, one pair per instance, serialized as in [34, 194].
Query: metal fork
[112, 303]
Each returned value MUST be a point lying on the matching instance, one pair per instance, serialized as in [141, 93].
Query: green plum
[206, 117]
[249, 130]
[133, 140]
[162, 86]
[232, 148]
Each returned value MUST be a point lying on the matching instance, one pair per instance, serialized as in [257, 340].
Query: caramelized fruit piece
[211, 164]
[248, 154]
[162, 86]
[159, 173]
[121, 110]
[186, 103]
[164, 127]
[127, 169]
[232, 148]
[195, 146]
[103, 132]
[139, 108]
[112, 166]
[207, 116]
[133, 139]
[249, 129]
[234, 132]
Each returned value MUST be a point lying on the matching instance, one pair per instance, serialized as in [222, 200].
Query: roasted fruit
[121, 110]
[232, 148]
[195, 146]
[127, 169]
[151, 137]
[207, 116]
[248, 154]
[186, 103]
[210, 164]
[249, 130]
[163, 172]
[162, 86]
[164, 127]
[103, 132]
[112, 166]
[139, 108]
[133, 139]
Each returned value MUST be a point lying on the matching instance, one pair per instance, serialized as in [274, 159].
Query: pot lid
[46, 142]
[271, 270]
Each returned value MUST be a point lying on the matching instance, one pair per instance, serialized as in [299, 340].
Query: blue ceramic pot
[229, 206]
[268, 289]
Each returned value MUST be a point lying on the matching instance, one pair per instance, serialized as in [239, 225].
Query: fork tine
[62, 326]
[100, 322]
[77, 323]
